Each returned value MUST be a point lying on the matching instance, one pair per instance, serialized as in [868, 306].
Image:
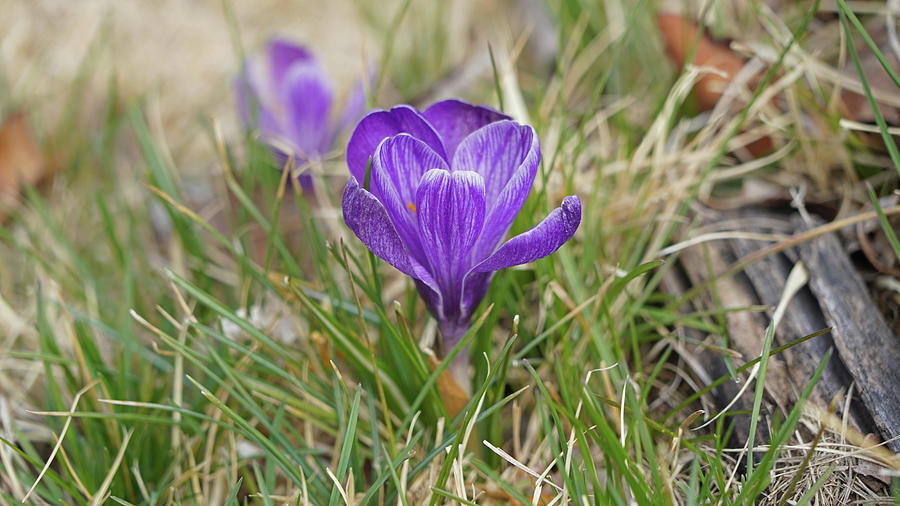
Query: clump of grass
[242, 347]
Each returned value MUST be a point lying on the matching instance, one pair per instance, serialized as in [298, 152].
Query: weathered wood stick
[866, 344]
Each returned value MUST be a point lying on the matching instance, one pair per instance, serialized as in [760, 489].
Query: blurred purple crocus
[289, 97]
[445, 186]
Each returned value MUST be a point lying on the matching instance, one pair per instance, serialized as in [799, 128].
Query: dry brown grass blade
[62, 434]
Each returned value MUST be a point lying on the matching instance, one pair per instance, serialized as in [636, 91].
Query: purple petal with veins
[446, 185]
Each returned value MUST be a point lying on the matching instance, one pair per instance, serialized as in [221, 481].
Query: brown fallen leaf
[21, 161]
[679, 35]
[856, 105]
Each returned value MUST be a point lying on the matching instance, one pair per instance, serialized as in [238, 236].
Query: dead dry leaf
[856, 105]
[21, 161]
[679, 35]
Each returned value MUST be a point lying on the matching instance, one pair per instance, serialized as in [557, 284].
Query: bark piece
[713, 366]
[802, 317]
[866, 344]
[868, 353]
[746, 333]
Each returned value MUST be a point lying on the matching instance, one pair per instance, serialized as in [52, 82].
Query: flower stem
[452, 333]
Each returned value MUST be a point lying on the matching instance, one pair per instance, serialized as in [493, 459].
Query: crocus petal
[540, 241]
[431, 296]
[454, 120]
[450, 209]
[307, 93]
[252, 111]
[368, 219]
[475, 286]
[282, 55]
[507, 155]
[377, 125]
[398, 165]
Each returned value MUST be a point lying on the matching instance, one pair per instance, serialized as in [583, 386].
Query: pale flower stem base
[459, 367]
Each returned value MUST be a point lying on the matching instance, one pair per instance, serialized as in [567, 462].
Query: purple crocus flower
[445, 186]
[288, 95]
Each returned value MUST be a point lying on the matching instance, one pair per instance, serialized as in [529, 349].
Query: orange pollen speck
[411, 206]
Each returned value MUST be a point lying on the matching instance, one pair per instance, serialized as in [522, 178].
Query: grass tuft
[185, 326]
